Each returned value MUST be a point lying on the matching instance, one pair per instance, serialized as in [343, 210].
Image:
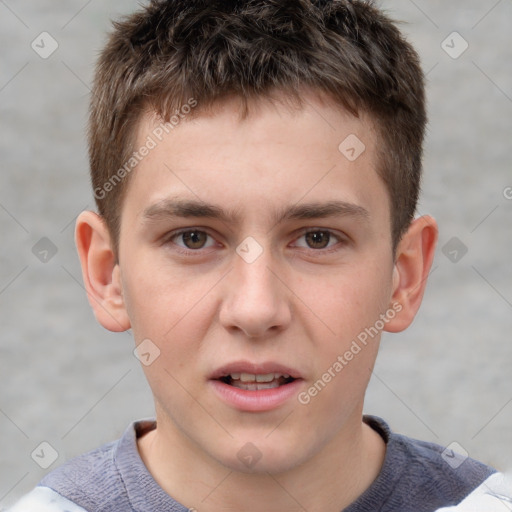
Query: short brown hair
[172, 51]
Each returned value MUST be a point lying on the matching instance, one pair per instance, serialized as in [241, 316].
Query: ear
[413, 261]
[101, 273]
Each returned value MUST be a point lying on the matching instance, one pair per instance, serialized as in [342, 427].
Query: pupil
[194, 239]
[318, 239]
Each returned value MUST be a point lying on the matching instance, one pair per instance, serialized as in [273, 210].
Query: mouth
[256, 382]
[255, 387]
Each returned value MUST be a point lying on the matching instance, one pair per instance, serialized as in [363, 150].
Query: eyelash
[341, 239]
[183, 250]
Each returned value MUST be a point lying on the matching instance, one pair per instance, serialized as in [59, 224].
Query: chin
[262, 457]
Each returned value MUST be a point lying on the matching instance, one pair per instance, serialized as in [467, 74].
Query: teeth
[268, 377]
[254, 382]
[250, 377]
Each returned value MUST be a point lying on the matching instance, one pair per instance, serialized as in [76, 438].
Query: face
[253, 253]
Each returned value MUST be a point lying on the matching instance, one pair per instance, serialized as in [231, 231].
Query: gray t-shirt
[416, 477]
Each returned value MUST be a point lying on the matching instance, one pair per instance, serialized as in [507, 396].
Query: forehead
[277, 154]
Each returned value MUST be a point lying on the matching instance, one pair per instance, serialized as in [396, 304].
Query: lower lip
[258, 400]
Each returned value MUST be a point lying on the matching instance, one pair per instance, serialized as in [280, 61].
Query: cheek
[161, 302]
[344, 360]
[176, 324]
[348, 299]
[174, 311]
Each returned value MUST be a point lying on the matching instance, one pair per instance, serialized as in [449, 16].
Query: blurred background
[71, 385]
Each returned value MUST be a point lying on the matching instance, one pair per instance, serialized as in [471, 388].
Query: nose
[256, 301]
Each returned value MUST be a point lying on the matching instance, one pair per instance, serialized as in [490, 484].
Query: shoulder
[493, 495]
[92, 481]
[433, 472]
[88, 465]
[44, 499]
[87, 482]
[423, 474]
[88, 479]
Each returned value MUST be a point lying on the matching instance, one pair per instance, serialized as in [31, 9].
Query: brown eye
[318, 239]
[193, 239]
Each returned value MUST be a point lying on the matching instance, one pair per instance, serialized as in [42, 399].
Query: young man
[256, 166]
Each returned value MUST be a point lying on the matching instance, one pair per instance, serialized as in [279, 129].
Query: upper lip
[254, 369]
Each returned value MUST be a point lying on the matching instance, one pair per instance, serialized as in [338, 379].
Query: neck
[329, 481]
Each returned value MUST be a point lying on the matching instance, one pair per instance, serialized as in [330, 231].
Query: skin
[299, 303]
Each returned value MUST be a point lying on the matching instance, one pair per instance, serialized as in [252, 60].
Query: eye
[317, 239]
[193, 239]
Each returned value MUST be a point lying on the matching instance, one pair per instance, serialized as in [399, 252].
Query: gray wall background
[68, 382]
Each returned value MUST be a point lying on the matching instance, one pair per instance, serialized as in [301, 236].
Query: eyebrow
[183, 208]
[323, 210]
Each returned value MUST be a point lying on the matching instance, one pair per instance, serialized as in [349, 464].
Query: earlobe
[101, 273]
[414, 257]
